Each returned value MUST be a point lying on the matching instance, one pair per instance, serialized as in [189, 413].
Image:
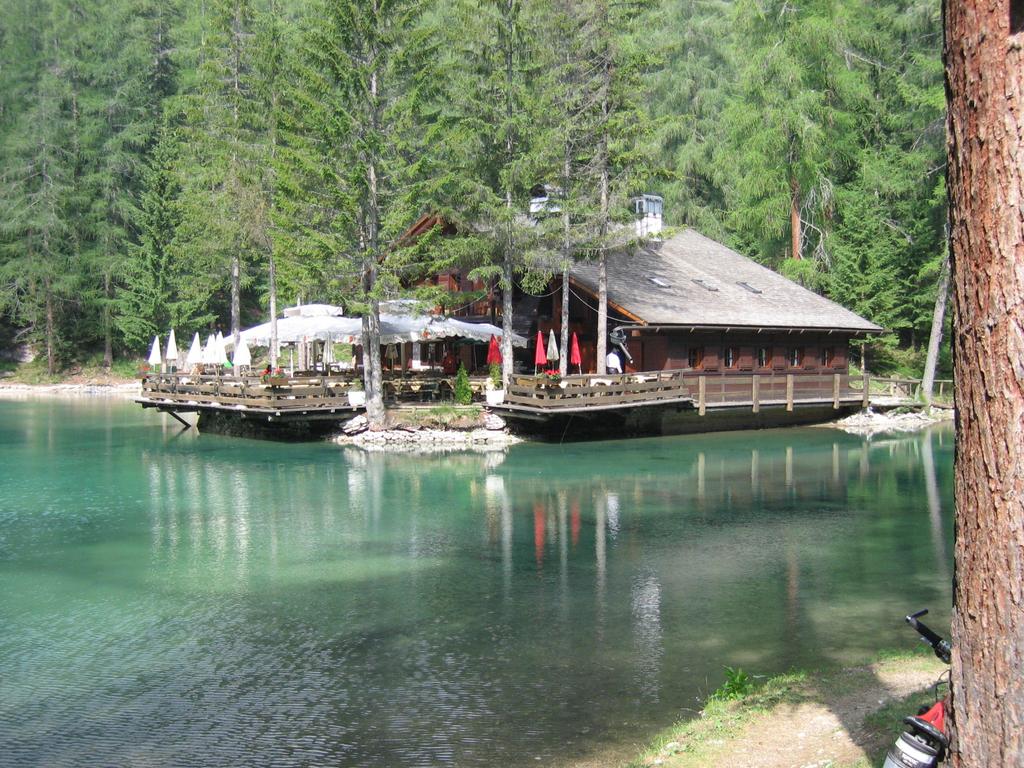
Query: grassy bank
[89, 371]
[833, 718]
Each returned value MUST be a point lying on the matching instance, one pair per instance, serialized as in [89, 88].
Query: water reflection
[253, 603]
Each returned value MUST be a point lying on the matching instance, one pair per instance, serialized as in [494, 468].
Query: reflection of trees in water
[737, 547]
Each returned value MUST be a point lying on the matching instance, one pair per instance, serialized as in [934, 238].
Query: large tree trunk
[605, 183]
[506, 318]
[935, 338]
[985, 88]
[236, 297]
[51, 332]
[795, 228]
[273, 311]
[373, 377]
[108, 342]
[563, 362]
[507, 264]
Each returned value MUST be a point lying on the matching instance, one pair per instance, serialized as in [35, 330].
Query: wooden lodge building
[686, 303]
[716, 342]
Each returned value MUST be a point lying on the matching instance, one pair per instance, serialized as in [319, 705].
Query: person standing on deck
[612, 363]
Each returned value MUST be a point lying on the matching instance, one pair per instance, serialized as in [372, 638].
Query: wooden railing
[279, 393]
[589, 391]
[702, 390]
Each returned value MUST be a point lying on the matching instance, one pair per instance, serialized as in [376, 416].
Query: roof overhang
[639, 321]
[656, 327]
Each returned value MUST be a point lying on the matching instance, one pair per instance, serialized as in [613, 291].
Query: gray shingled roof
[676, 299]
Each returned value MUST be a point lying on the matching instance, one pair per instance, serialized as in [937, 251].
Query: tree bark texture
[795, 228]
[273, 312]
[985, 89]
[51, 333]
[604, 160]
[935, 337]
[236, 297]
[563, 362]
[108, 340]
[506, 319]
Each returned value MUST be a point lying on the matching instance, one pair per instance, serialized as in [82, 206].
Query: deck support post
[835, 391]
[178, 418]
[866, 397]
[755, 392]
[702, 400]
[789, 391]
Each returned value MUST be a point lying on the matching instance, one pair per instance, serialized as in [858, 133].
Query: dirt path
[842, 720]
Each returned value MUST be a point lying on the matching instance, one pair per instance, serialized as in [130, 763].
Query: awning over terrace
[394, 329]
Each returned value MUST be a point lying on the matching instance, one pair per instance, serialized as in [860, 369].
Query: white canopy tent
[314, 310]
[295, 329]
[394, 329]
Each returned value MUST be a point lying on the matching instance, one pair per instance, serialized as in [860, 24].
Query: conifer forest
[194, 163]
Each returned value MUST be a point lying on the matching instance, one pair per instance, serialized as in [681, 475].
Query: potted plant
[494, 392]
[356, 394]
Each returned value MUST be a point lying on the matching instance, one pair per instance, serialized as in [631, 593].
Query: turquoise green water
[189, 600]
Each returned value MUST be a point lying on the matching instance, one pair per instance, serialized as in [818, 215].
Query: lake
[176, 599]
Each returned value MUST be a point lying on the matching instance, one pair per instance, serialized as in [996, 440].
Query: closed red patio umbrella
[539, 358]
[493, 353]
[574, 353]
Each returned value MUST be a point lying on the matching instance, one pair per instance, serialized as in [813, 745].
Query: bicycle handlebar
[941, 647]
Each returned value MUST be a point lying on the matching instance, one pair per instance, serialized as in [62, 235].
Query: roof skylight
[748, 286]
[659, 282]
[706, 286]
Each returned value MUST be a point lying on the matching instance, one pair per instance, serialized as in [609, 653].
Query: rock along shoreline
[102, 389]
[870, 422]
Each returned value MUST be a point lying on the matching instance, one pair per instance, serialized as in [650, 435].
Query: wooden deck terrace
[326, 397]
[281, 398]
[540, 397]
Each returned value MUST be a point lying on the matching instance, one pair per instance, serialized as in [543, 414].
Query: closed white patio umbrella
[220, 350]
[172, 348]
[552, 346]
[154, 352]
[242, 356]
[210, 350]
[195, 352]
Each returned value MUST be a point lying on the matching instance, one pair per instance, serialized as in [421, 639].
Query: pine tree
[688, 96]
[363, 87]
[130, 74]
[492, 110]
[620, 126]
[39, 271]
[160, 292]
[791, 127]
[223, 197]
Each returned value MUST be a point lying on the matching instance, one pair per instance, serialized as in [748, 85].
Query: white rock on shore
[869, 422]
[440, 439]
